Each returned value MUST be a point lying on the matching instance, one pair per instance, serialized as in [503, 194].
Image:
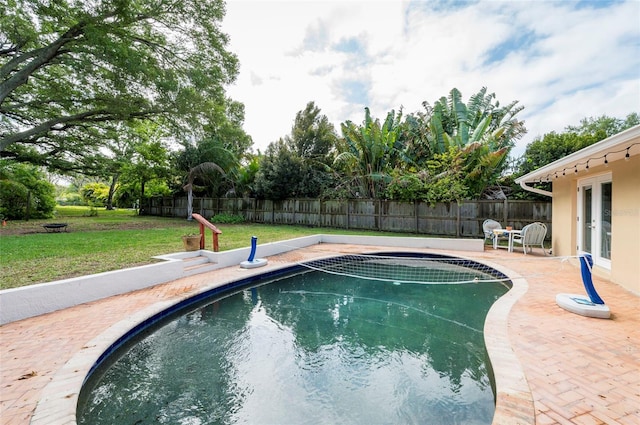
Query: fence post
[348, 208]
[457, 219]
[505, 212]
[416, 209]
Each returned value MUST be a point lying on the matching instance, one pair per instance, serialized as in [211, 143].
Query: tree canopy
[449, 152]
[24, 192]
[553, 146]
[298, 165]
[71, 71]
[369, 152]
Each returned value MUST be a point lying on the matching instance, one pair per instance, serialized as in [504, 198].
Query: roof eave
[612, 148]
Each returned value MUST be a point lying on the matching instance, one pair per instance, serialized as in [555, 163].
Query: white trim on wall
[598, 219]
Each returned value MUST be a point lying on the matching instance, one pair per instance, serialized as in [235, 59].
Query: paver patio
[579, 370]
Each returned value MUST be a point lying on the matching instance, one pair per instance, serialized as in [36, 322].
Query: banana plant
[481, 131]
[368, 152]
[202, 170]
[482, 119]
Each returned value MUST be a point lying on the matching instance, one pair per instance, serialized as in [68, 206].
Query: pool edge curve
[514, 401]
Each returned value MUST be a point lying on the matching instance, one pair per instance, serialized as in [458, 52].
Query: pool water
[312, 348]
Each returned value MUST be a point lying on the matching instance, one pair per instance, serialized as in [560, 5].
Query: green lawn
[113, 240]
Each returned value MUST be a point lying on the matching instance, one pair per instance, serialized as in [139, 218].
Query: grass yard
[113, 240]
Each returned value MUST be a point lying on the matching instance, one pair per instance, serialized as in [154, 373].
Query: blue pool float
[591, 305]
[253, 262]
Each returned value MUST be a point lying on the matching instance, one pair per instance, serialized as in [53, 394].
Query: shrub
[13, 199]
[24, 192]
[69, 198]
[227, 219]
[95, 194]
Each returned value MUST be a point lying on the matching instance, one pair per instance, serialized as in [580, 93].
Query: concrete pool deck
[579, 370]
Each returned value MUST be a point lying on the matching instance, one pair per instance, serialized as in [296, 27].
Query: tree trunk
[190, 203]
[112, 189]
[141, 200]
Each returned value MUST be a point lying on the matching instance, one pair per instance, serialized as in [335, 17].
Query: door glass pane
[586, 223]
[605, 233]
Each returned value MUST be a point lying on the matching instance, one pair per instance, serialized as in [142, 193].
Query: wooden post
[505, 212]
[457, 220]
[203, 222]
[416, 211]
[216, 248]
[295, 207]
[348, 208]
[201, 235]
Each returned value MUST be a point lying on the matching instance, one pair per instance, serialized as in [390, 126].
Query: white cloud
[560, 61]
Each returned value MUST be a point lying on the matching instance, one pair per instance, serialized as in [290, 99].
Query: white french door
[594, 218]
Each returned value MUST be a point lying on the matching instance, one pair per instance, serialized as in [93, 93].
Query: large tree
[553, 146]
[145, 159]
[280, 173]
[312, 135]
[298, 165]
[556, 145]
[71, 70]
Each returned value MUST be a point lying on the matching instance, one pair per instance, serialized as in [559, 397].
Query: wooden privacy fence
[462, 219]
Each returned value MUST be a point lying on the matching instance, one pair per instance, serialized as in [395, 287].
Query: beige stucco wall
[625, 226]
[563, 213]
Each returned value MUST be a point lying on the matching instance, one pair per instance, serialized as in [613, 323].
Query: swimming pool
[305, 348]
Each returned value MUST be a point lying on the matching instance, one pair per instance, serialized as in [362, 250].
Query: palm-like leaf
[204, 171]
[370, 151]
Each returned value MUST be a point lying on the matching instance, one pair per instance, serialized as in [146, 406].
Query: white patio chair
[531, 235]
[487, 227]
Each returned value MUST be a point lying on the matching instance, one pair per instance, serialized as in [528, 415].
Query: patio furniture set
[530, 236]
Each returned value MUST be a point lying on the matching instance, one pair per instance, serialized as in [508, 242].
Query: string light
[549, 177]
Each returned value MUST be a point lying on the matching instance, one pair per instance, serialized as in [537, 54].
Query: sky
[562, 61]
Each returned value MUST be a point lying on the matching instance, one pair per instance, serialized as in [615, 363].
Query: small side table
[505, 232]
